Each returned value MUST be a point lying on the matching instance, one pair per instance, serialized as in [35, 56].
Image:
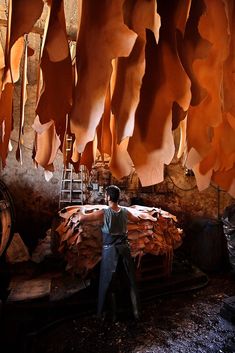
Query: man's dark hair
[113, 192]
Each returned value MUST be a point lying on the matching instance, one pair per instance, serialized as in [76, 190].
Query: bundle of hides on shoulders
[155, 233]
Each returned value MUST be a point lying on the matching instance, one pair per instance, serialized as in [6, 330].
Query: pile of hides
[81, 243]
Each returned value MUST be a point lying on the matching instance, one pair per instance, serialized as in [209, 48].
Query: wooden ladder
[73, 184]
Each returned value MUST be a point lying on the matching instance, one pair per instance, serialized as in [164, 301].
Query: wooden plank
[24, 290]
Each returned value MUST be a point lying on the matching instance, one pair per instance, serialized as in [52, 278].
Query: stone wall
[178, 194]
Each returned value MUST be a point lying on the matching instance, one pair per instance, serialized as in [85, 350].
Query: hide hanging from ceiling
[137, 71]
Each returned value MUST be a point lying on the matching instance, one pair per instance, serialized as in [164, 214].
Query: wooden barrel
[7, 218]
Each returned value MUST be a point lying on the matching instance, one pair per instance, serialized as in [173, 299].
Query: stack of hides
[81, 243]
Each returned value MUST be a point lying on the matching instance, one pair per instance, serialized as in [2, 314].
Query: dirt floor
[189, 322]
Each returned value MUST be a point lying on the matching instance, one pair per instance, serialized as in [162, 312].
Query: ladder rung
[68, 190]
[73, 180]
[70, 200]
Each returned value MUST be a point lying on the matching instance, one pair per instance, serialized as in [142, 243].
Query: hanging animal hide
[103, 36]
[164, 82]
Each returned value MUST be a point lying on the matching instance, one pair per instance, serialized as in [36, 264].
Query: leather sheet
[213, 27]
[103, 36]
[55, 98]
[56, 93]
[47, 144]
[138, 15]
[5, 120]
[164, 83]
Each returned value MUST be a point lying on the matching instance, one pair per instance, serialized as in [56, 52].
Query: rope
[217, 188]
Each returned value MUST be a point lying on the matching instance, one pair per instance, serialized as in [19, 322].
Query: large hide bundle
[81, 243]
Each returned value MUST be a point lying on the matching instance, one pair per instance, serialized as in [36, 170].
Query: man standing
[116, 257]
